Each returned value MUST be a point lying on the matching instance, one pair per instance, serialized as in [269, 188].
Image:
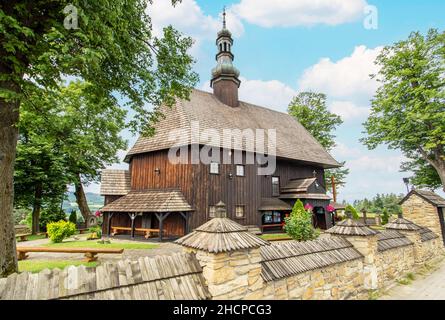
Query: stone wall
[393, 264]
[422, 213]
[339, 282]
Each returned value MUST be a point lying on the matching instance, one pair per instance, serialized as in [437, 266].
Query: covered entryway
[273, 212]
[162, 213]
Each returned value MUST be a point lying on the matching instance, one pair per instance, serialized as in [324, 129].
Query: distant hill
[95, 202]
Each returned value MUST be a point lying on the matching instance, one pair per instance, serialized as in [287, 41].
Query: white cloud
[341, 151]
[348, 110]
[189, 18]
[347, 78]
[288, 13]
[381, 164]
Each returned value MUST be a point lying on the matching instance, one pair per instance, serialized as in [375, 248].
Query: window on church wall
[239, 211]
[240, 170]
[225, 46]
[275, 186]
[272, 217]
[214, 168]
[212, 211]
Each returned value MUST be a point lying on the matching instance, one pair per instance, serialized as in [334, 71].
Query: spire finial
[224, 17]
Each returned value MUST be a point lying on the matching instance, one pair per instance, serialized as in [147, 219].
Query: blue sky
[283, 47]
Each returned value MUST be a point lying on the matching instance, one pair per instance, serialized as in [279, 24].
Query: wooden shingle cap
[402, 224]
[351, 227]
[391, 239]
[290, 258]
[221, 234]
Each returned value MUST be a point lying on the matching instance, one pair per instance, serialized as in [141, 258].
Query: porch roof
[164, 200]
[269, 204]
[313, 196]
[298, 185]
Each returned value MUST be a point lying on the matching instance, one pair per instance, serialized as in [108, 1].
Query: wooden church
[157, 196]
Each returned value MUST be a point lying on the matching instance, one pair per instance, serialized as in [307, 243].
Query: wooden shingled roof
[402, 224]
[293, 141]
[350, 227]
[270, 204]
[291, 258]
[175, 277]
[390, 239]
[429, 196]
[221, 234]
[115, 182]
[164, 200]
[300, 189]
[427, 235]
[299, 185]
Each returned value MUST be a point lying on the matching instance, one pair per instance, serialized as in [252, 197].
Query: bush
[299, 225]
[95, 233]
[57, 231]
[20, 215]
[73, 217]
[353, 211]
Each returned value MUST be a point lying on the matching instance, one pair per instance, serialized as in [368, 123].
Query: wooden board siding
[202, 189]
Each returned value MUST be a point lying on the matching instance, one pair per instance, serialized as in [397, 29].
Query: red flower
[98, 213]
[330, 208]
[308, 207]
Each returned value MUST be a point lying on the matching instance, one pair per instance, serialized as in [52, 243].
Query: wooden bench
[90, 253]
[147, 232]
[82, 231]
[23, 236]
[265, 226]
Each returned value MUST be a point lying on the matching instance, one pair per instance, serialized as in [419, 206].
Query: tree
[310, 109]
[353, 212]
[385, 216]
[299, 225]
[107, 43]
[89, 130]
[425, 176]
[408, 110]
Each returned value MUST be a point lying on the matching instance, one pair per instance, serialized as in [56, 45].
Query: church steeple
[225, 81]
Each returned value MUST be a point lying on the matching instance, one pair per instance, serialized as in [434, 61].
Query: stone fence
[222, 260]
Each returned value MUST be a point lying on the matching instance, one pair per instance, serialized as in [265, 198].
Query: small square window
[275, 186]
[239, 212]
[214, 168]
[240, 170]
[212, 210]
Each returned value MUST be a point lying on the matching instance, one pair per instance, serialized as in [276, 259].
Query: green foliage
[408, 109]
[353, 211]
[310, 109]
[385, 216]
[380, 202]
[299, 225]
[20, 215]
[73, 217]
[52, 213]
[58, 231]
[95, 232]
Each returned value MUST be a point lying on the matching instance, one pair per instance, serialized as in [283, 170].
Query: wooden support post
[132, 217]
[334, 189]
[161, 217]
[186, 218]
[110, 216]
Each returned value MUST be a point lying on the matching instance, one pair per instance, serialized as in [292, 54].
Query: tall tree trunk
[82, 200]
[36, 208]
[9, 117]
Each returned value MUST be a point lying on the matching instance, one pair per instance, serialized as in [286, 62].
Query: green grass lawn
[275, 236]
[34, 237]
[39, 265]
[94, 244]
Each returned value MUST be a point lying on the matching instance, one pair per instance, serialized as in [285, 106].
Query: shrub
[299, 225]
[385, 216]
[57, 231]
[95, 233]
[353, 211]
[73, 217]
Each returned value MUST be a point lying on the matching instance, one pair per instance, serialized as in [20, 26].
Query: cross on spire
[224, 17]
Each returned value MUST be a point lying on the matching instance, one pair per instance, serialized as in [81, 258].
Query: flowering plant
[330, 208]
[98, 214]
[308, 207]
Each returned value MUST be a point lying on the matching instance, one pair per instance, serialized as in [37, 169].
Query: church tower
[225, 81]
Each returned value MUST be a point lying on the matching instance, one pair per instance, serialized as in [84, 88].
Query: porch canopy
[274, 204]
[307, 188]
[161, 202]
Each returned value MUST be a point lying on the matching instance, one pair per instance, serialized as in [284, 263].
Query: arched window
[220, 47]
[225, 46]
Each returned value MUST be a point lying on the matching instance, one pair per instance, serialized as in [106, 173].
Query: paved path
[430, 287]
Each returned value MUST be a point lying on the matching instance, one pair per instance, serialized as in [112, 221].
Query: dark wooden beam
[110, 215]
[186, 218]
